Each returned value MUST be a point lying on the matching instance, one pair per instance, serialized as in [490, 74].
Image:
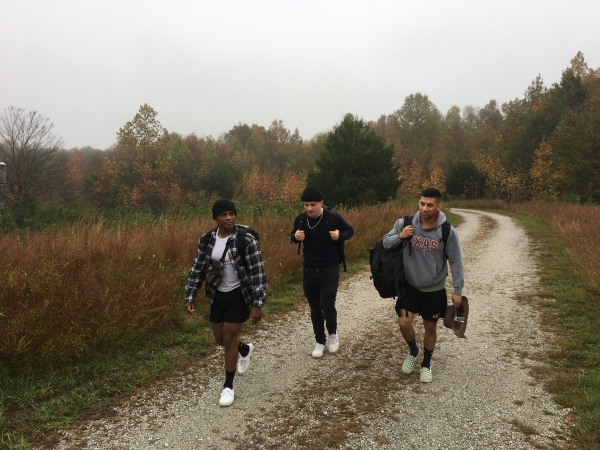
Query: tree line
[542, 145]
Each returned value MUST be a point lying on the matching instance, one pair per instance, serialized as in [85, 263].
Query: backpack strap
[446, 226]
[301, 227]
[225, 251]
[241, 243]
[408, 223]
[332, 219]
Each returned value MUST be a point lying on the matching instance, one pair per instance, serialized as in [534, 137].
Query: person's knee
[328, 307]
[327, 297]
[229, 339]
[405, 322]
[429, 326]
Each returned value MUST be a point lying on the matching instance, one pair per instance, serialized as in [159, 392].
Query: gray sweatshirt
[426, 266]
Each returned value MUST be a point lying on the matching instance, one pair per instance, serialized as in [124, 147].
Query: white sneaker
[244, 361]
[318, 351]
[334, 343]
[226, 397]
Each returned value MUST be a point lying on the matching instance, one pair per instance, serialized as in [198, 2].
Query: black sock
[243, 349]
[427, 358]
[229, 379]
[414, 350]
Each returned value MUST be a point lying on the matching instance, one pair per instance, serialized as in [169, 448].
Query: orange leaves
[547, 176]
[292, 186]
[415, 179]
[267, 186]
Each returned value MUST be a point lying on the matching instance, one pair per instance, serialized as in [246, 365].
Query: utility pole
[2, 183]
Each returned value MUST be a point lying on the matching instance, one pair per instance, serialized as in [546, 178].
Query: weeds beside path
[483, 394]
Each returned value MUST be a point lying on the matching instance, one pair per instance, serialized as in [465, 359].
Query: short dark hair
[432, 193]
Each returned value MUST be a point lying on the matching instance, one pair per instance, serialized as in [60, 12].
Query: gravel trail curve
[483, 394]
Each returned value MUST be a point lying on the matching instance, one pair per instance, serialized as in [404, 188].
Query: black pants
[320, 288]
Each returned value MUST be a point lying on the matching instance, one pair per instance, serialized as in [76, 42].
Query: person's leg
[430, 335]
[312, 291]
[217, 329]
[330, 279]
[405, 320]
[227, 335]
[231, 335]
[434, 306]
[429, 345]
[237, 313]
[406, 309]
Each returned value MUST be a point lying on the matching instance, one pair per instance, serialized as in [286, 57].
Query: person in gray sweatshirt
[426, 270]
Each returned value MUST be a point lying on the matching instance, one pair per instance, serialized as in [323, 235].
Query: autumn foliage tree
[141, 172]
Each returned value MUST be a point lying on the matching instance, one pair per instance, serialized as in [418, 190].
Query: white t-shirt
[230, 277]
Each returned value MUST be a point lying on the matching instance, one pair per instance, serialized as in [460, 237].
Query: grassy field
[91, 312]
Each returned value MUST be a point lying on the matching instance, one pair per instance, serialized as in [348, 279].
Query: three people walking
[238, 291]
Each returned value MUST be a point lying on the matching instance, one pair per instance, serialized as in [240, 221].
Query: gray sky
[205, 66]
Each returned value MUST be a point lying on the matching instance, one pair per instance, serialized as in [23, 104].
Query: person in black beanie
[234, 298]
[319, 230]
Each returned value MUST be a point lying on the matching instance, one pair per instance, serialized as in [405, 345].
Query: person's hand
[406, 232]
[190, 308]
[335, 235]
[299, 235]
[457, 300]
[255, 314]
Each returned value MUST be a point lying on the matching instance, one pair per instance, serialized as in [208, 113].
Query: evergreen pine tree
[356, 166]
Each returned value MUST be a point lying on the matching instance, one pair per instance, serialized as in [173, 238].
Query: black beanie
[222, 205]
[311, 194]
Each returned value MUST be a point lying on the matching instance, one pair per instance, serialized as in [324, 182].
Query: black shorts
[430, 305]
[229, 307]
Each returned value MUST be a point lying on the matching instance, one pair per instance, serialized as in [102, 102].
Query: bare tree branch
[29, 148]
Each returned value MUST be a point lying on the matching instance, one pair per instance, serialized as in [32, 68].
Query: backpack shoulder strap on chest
[331, 219]
[301, 224]
[241, 242]
[408, 223]
[446, 226]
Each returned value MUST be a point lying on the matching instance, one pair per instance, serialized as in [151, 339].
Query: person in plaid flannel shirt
[240, 295]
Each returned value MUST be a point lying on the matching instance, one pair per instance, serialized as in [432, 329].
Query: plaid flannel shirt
[253, 279]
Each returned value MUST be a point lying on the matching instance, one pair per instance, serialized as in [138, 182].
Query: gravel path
[483, 394]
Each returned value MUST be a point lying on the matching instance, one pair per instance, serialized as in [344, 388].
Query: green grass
[571, 309]
[36, 401]
[38, 398]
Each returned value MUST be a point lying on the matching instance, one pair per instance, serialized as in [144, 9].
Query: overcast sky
[205, 66]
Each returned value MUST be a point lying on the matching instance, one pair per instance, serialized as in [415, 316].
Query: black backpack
[387, 266]
[331, 215]
[241, 238]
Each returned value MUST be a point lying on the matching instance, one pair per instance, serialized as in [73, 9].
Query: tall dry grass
[64, 295]
[579, 228]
